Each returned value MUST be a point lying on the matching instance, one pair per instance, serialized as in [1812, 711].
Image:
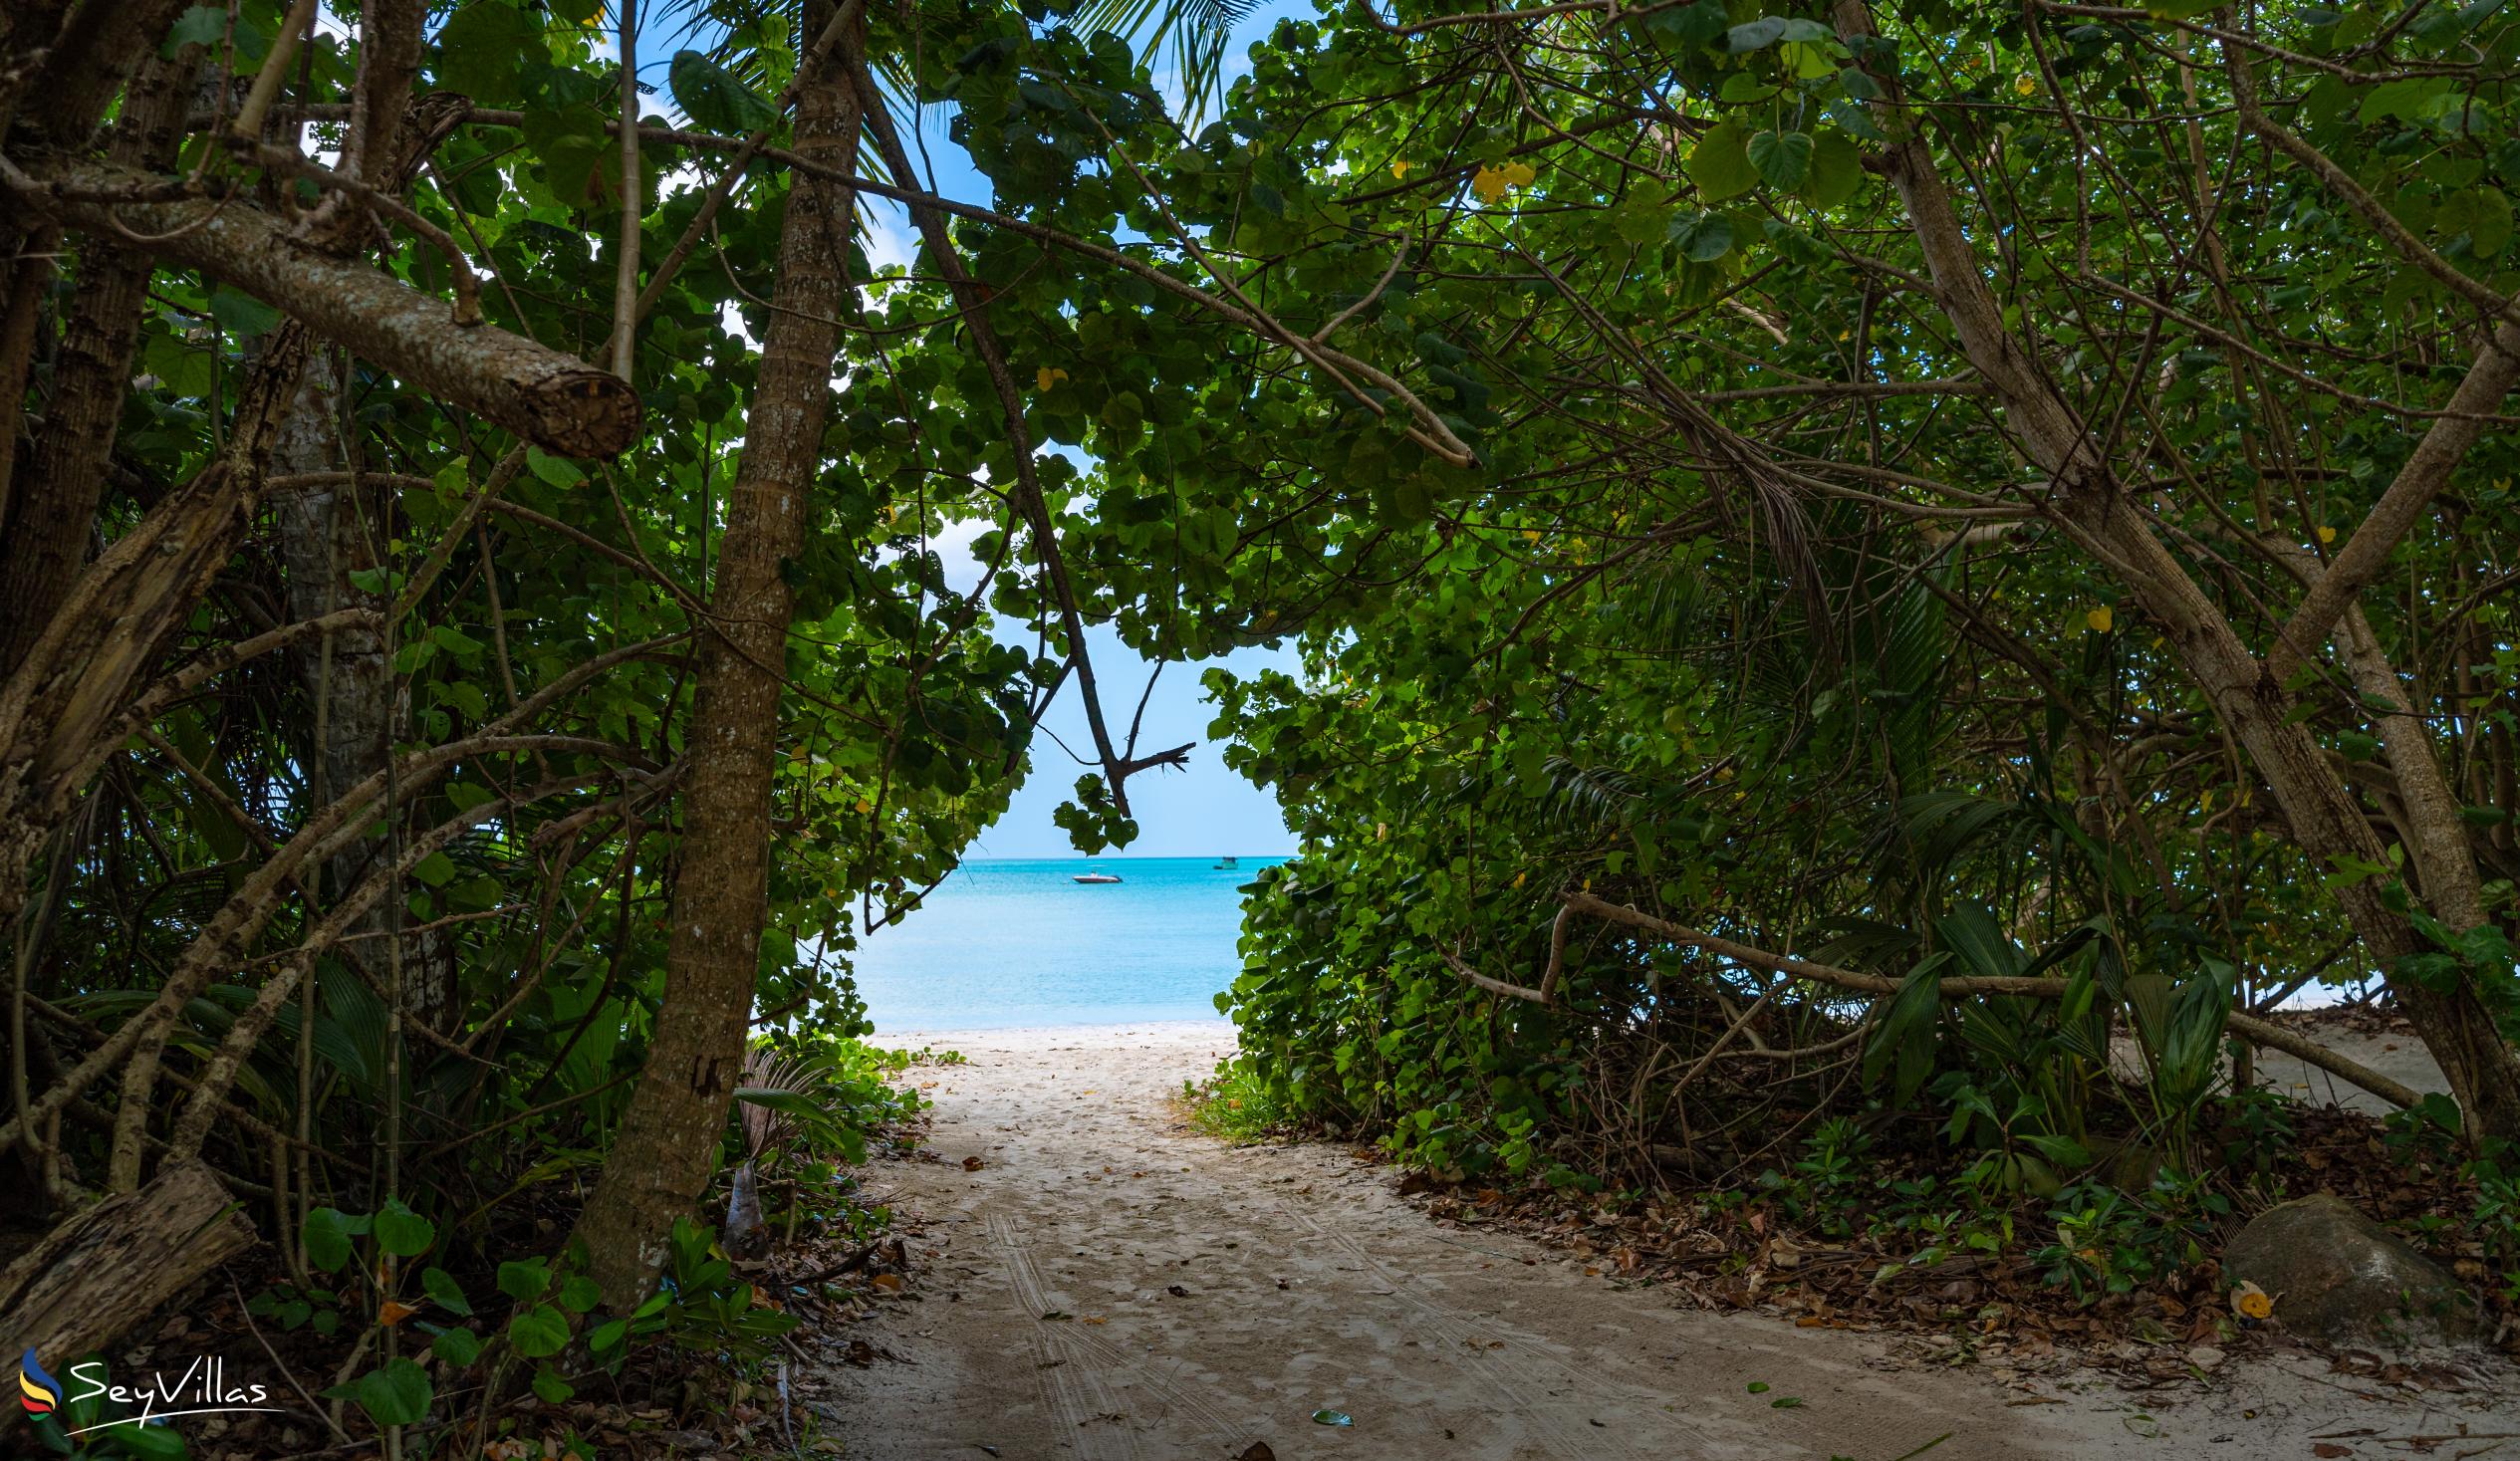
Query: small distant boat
[1227, 862]
[1097, 876]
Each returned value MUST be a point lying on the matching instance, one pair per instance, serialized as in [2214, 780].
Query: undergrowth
[1237, 1106]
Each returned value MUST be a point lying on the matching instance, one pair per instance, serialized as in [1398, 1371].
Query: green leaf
[537, 1331]
[573, 147]
[402, 1232]
[1837, 171]
[526, 1279]
[202, 25]
[148, 1442]
[1756, 35]
[456, 1348]
[241, 315]
[483, 48]
[1722, 164]
[1687, 27]
[579, 1294]
[1703, 237]
[1782, 157]
[436, 870]
[715, 98]
[549, 1385]
[444, 1292]
[326, 1234]
[396, 1392]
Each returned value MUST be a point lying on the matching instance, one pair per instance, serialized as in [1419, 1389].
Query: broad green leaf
[1722, 164]
[715, 98]
[456, 1348]
[1703, 237]
[327, 1234]
[1837, 169]
[538, 1330]
[524, 1280]
[402, 1232]
[396, 1392]
[1781, 157]
[444, 1292]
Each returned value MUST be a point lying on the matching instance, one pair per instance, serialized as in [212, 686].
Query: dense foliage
[1905, 442]
[1851, 563]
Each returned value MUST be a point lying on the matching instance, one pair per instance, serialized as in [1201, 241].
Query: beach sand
[1109, 1283]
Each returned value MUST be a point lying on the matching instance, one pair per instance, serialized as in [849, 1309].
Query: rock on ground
[2337, 1277]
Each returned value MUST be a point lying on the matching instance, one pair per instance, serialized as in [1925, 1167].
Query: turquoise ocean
[1007, 942]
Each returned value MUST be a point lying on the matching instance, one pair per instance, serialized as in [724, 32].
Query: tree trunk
[668, 1140]
[2327, 821]
[327, 532]
[47, 518]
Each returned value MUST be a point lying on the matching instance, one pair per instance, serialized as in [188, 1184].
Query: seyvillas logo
[202, 1389]
[39, 1392]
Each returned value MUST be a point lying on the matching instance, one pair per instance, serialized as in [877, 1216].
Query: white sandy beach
[1109, 1283]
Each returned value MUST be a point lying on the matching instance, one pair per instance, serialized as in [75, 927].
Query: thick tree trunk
[47, 518]
[668, 1140]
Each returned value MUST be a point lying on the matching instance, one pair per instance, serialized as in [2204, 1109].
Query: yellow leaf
[1489, 185]
[1520, 175]
[2101, 620]
[2026, 85]
[2251, 1302]
[2327, 534]
[1518, 879]
[393, 1311]
[888, 1283]
[1399, 167]
[1047, 377]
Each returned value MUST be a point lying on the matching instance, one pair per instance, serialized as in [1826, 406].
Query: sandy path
[1214, 1297]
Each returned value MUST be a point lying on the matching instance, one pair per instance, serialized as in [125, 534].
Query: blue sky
[1205, 809]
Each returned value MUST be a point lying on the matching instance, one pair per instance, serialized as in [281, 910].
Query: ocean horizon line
[1118, 856]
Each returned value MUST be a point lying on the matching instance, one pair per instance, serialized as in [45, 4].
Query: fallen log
[105, 1268]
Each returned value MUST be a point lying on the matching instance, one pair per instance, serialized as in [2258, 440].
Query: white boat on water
[1097, 876]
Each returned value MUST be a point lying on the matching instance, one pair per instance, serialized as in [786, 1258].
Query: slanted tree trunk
[2327, 821]
[668, 1140]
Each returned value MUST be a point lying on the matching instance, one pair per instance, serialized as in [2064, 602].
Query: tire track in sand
[1073, 1363]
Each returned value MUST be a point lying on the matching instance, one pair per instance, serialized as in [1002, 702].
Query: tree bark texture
[50, 509]
[669, 1136]
[553, 399]
[118, 1262]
